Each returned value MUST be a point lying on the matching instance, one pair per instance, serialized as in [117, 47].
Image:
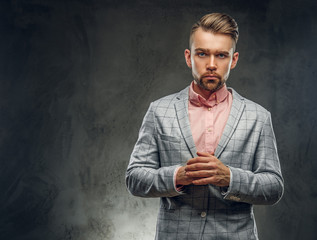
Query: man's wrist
[225, 190]
[177, 187]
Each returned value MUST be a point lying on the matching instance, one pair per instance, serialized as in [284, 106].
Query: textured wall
[76, 78]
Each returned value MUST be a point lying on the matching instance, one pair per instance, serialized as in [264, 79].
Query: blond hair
[216, 23]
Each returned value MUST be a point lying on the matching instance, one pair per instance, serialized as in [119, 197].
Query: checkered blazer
[247, 146]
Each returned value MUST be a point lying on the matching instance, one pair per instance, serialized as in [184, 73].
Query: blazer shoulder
[251, 108]
[169, 100]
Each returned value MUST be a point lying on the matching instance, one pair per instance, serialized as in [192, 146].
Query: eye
[222, 55]
[201, 54]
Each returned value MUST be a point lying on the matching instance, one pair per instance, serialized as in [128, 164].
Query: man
[207, 152]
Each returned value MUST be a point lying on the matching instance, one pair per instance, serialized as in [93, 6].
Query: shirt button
[209, 130]
[209, 109]
[203, 214]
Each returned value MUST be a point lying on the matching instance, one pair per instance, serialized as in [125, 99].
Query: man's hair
[216, 23]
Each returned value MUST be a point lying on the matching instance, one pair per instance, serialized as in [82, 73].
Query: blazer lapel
[181, 107]
[233, 119]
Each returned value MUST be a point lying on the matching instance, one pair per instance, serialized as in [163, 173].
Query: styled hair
[217, 23]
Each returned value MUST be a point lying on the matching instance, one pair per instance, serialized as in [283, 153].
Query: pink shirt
[208, 118]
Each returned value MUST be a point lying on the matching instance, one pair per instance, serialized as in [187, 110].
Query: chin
[211, 86]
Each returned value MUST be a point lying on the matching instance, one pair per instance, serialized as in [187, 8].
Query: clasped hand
[202, 170]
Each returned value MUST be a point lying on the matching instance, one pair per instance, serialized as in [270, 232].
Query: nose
[211, 63]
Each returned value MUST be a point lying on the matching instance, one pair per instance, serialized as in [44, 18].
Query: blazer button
[203, 214]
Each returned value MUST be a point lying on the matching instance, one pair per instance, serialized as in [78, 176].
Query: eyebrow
[207, 50]
[201, 49]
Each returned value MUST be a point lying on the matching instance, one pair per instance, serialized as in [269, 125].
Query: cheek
[198, 65]
[197, 70]
[226, 67]
[226, 72]
[194, 66]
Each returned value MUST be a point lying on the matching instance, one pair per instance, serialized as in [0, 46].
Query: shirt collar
[219, 96]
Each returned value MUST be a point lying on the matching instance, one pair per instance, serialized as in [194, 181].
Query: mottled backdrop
[76, 78]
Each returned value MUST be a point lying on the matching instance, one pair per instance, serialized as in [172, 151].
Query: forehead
[211, 41]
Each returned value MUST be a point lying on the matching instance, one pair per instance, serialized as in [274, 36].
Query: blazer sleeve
[263, 185]
[144, 176]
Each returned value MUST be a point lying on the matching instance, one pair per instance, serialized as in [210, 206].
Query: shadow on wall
[77, 78]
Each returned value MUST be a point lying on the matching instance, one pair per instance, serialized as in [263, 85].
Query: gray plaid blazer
[247, 146]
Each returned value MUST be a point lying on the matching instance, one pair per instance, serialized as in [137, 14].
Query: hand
[182, 178]
[207, 169]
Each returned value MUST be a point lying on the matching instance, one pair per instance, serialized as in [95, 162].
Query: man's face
[211, 58]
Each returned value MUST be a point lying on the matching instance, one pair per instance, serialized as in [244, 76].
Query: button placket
[209, 128]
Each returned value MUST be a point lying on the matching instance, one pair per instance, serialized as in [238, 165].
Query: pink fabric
[208, 118]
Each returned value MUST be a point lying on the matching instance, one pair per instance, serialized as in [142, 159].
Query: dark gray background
[76, 79]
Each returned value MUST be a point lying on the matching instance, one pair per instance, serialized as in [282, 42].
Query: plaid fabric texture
[247, 146]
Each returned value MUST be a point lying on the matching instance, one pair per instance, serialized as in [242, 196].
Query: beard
[211, 85]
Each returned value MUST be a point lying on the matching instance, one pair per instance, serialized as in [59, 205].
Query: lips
[211, 76]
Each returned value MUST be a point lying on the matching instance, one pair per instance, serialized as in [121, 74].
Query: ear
[234, 62]
[187, 58]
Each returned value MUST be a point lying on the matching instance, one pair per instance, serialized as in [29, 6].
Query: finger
[201, 166]
[200, 174]
[200, 160]
[205, 154]
[214, 180]
[203, 181]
